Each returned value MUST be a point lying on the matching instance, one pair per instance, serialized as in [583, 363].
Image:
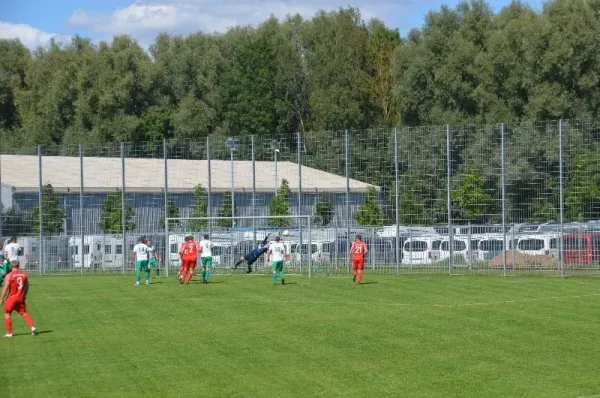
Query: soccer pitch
[239, 336]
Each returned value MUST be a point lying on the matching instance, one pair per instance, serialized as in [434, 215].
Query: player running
[152, 263]
[251, 257]
[4, 269]
[358, 250]
[206, 258]
[181, 265]
[13, 297]
[140, 252]
[277, 251]
[189, 259]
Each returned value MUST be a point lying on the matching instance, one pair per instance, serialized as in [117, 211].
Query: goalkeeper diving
[254, 255]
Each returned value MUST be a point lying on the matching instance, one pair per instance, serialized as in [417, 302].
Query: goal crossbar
[233, 218]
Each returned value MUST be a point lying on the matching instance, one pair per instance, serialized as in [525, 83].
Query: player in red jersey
[14, 293]
[358, 250]
[180, 274]
[189, 257]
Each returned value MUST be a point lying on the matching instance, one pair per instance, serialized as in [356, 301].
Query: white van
[538, 245]
[463, 246]
[490, 247]
[421, 250]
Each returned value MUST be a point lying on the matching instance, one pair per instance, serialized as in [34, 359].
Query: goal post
[232, 242]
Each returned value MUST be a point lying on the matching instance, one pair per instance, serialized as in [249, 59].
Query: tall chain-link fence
[492, 199]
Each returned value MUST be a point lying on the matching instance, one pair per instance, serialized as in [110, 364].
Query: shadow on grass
[369, 283]
[39, 332]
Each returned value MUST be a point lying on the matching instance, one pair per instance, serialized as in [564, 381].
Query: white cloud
[29, 36]
[144, 19]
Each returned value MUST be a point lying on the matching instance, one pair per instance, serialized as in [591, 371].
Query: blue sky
[36, 21]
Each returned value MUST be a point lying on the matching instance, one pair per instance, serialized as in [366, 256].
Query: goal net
[234, 237]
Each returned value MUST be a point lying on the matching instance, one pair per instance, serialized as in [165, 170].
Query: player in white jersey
[206, 257]
[152, 261]
[140, 252]
[276, 252]
[11, 250]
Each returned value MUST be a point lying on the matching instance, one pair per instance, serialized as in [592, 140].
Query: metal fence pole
[41, 210]
[309, 248]
[166, 199]
[123, 207]
[561, 260]
[503, 185]
[253, 193]
[81, 202]
[209, 192]
[347, 138]
[449, 200]
[232, 208]
[397, 179]
[299, 155]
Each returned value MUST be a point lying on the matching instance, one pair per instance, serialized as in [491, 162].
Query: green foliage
[583, 187]
[369, 213]
[280, 206]
[225, 211]
[53, 213]
[200, 209]
[111, 220]
[471, 197]
[323, 211]
[16, 223]
[172, 212]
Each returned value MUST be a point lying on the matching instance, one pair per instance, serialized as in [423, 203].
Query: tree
[111, 220]
[53, 214]
[471, 196]
[369, 214]
[15, 222]
[172, 212]
[583, 187]
[280, 207]
[200, 209]
[225, 211]
[323, 212]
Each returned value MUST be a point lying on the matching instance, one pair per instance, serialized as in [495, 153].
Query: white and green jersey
[277, 250]
[141, 252]
[11, 251]
[151, 252]
[206, 247]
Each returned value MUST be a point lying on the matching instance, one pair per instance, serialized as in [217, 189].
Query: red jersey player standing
[13, 298]
[189, 257]
[358, 250]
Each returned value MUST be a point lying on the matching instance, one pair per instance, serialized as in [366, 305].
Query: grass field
[393, 336]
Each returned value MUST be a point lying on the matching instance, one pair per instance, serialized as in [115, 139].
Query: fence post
[167, 255]
[81, 203]
[209, 192]
[561, 260]
[123, 207]
[309, 249]
[299, 154]
[41, 211]
[397, 179]
[449, 200]
[503, 185]
[347, 139]
[253, 193]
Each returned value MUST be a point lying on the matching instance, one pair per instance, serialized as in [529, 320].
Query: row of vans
[430, 249]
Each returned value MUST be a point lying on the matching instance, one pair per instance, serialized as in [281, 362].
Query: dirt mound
[524, 261]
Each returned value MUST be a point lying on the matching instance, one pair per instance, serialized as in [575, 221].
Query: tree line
[466, 65]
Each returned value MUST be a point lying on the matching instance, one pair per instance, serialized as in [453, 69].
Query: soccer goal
[235, 237]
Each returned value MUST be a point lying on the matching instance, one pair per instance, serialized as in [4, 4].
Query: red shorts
[190, 263]
[358, 264]
[13, 304]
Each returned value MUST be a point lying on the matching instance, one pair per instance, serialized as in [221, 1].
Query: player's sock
[28, 320]
[158, 272]
[359, 278]
[147, 275]
[8, 325]
[138, 276]
[203, 275]
[207, 274]
[282, 276]
[274, 277]
[238, 263]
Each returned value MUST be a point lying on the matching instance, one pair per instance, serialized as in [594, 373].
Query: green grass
[420, 335]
